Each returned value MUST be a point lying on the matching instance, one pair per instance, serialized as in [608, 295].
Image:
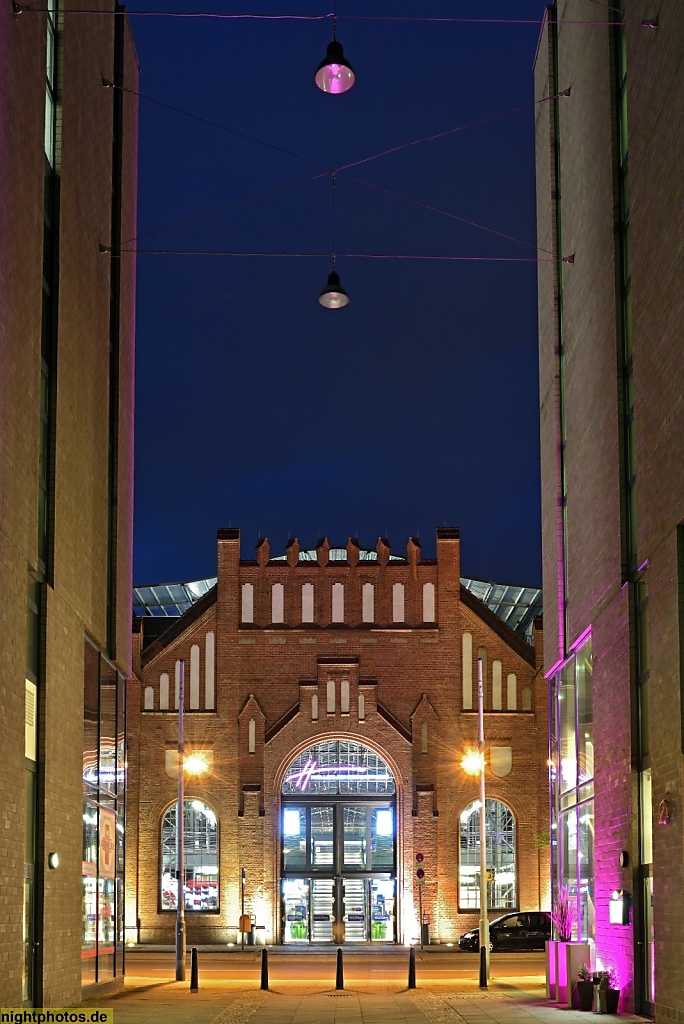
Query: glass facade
[501, 872]
[104, 778]
[201, 863]
[571, 781]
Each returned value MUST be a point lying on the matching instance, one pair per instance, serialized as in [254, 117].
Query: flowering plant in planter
[584, 974]
[585, 987]
[609, 993]
[564, 914]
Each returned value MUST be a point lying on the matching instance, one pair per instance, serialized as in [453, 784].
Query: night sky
[415, 406]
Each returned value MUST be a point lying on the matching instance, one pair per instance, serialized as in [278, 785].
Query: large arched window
[201, 858]
[500, 832]
[338, 767]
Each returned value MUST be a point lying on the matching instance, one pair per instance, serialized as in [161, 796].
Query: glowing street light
[334, 74]
[473, 763]
[195, 764]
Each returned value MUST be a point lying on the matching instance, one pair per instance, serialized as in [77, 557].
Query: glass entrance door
[322, 909]
[336, 910]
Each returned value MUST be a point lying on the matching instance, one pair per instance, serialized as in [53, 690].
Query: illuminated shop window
[201, 882]
[501, 884]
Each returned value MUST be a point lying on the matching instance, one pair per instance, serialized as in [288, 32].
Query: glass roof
[517, 606]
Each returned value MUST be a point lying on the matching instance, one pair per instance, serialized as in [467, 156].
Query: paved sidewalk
[233, 1002]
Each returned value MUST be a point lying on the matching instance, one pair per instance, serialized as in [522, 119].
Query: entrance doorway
[338, 846]
[338, 910]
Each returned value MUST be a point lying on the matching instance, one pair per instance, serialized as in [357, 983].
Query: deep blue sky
[414, 406]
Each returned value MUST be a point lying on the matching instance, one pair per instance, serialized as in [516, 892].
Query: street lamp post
[484, 920]
[180, 839]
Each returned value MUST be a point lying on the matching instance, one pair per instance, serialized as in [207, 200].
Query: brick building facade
[68, 170]
[609, 82]
[332, 693]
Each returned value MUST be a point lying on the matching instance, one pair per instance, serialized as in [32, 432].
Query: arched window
[149, 698]
[307, 602]
[164, 691]
[338, 602]
[247, 611]
[428, 602]
[330, 703]
[496, 685]
[398, 602]
[467, 671]
[526, 698]
[501, 890]
[194, 677]
[344, 697]
[314, 707]
[201, 882]
[424, 738]
[277, 603]
[362, 708]
[251, 736]
[512, 691]
[338, 767]
[368, 602]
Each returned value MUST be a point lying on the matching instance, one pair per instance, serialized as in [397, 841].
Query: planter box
[563, 961]
[585, 992]
[609, 998]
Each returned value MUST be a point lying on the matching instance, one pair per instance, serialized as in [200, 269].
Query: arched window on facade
[251, 736]
[164, 691]
[344, 697]
[307, 602]
[277, 603]
[368, 602]
[201, 882]
[247, 610]
[338, 602]
[428, 602]
[398, 602]
[501, 868]
[149, 698]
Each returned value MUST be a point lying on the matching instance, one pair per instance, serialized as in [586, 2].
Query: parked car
[512, 933]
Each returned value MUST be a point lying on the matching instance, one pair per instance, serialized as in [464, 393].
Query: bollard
[339, 977]
[194, 981]
[412, 968]
[264, 970]
[483, 967]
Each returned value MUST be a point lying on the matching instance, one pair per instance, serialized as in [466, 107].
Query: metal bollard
[412, 968]
[339, 977]
[264, 970]
[194, 974]
[483, 967]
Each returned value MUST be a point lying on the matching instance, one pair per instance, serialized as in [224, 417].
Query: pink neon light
[302, 778]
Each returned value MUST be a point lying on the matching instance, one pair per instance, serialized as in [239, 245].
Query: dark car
[512, 933]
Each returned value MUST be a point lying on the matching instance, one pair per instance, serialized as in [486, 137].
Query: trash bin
[425, 933]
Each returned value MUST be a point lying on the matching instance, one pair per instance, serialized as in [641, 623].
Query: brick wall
[408, 673]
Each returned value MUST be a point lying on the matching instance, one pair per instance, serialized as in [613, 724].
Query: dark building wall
[84, 523]
[621, 281]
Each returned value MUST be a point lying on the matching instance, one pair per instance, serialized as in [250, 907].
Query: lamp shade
[333, 296]
[335, 74]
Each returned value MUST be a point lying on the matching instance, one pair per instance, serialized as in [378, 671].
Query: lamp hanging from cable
[333, 295]
[334, 74]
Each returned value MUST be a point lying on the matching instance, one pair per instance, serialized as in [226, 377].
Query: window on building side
[308, 602]
[482, 659]
[344, 697]
[251, 736]
[338, 602]
[314, 707]
[201, 888]
[209, 695]
[512, 695]
[247, 613]
[362, 708]
[277, 603]
[424, 738]
[496, 685]
[194, 677]
[149, 698]
[398, 602]
[526, 698]
[164, 691]
[501, 868]
[467, 670]
[368, 602]
[330, 706]
[428, 602]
